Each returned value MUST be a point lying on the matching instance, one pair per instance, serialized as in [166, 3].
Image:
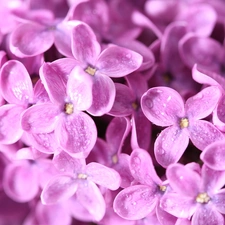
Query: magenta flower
[75, 130]
[114, 61]
[163, 106]
[195, 195]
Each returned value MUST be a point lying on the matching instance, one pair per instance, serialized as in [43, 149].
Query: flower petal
[183, 180]
[135, 202]
[116, 61]
[202, 133]
[21, 181]
[91, 198]
[178, 205]
[103, 176]
[76, 134]
[162, 106]
[40, 118]
[218, 200]
[85, 47]
[10, 128]
[58, 189]
[79, 88]
[214, 155]
[207, 215]
[170, 145]
[203, 103]
[103, 95]
[31, 39]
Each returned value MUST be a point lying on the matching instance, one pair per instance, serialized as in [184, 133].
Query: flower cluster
[112, 112]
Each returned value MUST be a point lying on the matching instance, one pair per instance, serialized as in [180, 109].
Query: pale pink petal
[91, 198]
[116, 61]
[79, 88]
[103, 176]
[214, 155]
[183, 180]
[20, 181]
[58, 189]
[164, 217]
[31, 39]
[170, 145]
[103, 92]
[16, 85]
[218, 200]
[207, 215]
[162, 106]
[135, 202]
[40, 118]
[76, 134]
[202, 133]
[10, 128]
[178, 205]
[85, 47]
[203, 103]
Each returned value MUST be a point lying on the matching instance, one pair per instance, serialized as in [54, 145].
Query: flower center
[162, 188]
[90, 70]
[202, 198]
[184, 123]
[115, 159]
[134, 105]
[82, 176]
[68, 108]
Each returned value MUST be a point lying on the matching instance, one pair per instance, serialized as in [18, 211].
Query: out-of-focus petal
[162, 106]
[76, 134]
[59, 189]
[116, 61]
[135, 202]
[40, 118]
[31, 39]
[16, 85]
[218, 200]
[170, 145]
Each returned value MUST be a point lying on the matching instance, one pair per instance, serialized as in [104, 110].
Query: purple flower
[163, 106]
[195, 195]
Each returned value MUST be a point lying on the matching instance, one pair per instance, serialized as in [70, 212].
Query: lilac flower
[114, 61]
[163, 106]
[80, 179]
[197, 196]
[140, 200]
[75, 130]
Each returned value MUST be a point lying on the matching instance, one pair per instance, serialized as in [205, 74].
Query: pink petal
[203, 103]
[116, 61]
[202, 133]
[123, 101]
[214, 155]
[40, 118]
[85, 47]
[165, 218]
[76, 134]
[21, 181]
[170, 145]
[183, 180]
[103, 95]
[10, 128]
[142, 169]
[177, 205]
[79, 88]
[207, 215]
[91, 198]
[135, 202]
[206, 52]
[16, 85]
[103, 176]
[31, 39]
[162, 106]
[218, 200]
[59, 189]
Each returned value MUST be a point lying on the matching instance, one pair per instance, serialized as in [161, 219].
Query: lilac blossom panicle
[112, 112]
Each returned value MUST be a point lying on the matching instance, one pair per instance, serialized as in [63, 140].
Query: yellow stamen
[162, 188]
[82, 176]
[134, 105]
[68, 108]
[184, 123]
[202, 198]
[90, 70]
[114, 159]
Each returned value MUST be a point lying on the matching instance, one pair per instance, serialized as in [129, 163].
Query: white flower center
[202, 198]
[90, 70]
[82, 176]
[184, 123]
[68, 108]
